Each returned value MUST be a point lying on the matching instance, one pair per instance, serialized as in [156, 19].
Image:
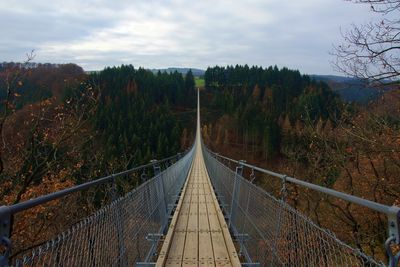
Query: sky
[298, 34]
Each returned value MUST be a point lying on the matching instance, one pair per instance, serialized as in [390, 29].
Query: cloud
[162, 33]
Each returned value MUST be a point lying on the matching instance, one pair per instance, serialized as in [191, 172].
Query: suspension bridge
[195, 211]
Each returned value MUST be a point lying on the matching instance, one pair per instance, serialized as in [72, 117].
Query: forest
[61, 119]
[288, 123]
[257, 101]
[61, 126]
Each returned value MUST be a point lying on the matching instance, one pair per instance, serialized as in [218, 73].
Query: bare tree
[372, 51]
[10, 82]
[42, 148]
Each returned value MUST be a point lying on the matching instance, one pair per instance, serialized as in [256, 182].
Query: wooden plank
[165, 249]
[213, 218]
[191, 250]
[218, 242]
[204, 225]
[175, 252]
[219, 247]
[206, 253]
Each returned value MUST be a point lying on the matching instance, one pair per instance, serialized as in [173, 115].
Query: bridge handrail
[392, 212]
[13, 209]
[7, 212]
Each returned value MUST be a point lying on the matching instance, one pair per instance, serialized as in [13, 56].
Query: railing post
[239, 168]
[252, 176]
[235, 193]
[164, 204]
[143, 176]
[280, 213]
[5, 241]
[156, 166]
[241, 238]
[164, 207]
[246, 215]
[154, 239]
[119, 225]
[394, 235]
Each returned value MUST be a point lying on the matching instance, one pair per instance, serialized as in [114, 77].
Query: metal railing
[121, 233]
[126, 232]
[273, 233]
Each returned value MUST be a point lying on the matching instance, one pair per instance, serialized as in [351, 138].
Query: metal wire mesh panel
[275, 233]
[117, 234]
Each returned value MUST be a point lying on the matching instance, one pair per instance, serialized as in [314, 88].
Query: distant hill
[350, 89]
[196, 72]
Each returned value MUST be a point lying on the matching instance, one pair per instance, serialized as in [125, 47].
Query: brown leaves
[349, 150]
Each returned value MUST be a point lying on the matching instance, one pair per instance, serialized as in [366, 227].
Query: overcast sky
[298, 34]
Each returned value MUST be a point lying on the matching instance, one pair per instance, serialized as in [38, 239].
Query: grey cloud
[162, 33]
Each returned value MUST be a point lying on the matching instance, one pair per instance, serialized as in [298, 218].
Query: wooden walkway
[198, 234]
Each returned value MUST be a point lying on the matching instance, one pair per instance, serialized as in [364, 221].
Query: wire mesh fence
[118, 233]
[271, 232]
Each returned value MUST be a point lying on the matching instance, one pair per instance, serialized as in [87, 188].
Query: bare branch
[372, 51]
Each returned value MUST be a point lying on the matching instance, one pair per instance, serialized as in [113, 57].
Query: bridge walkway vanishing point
[198, 234]
[205, 213]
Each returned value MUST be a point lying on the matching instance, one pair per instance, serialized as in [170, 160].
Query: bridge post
[394, 236]
[236, 188]
[156, 167]
[252, 176]
[5, 228]
[118, 224]
[143, 176]
[241, 239]
[163, 206]
[157, 171]
[216, 156]
[282, 202]
[246, 214]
